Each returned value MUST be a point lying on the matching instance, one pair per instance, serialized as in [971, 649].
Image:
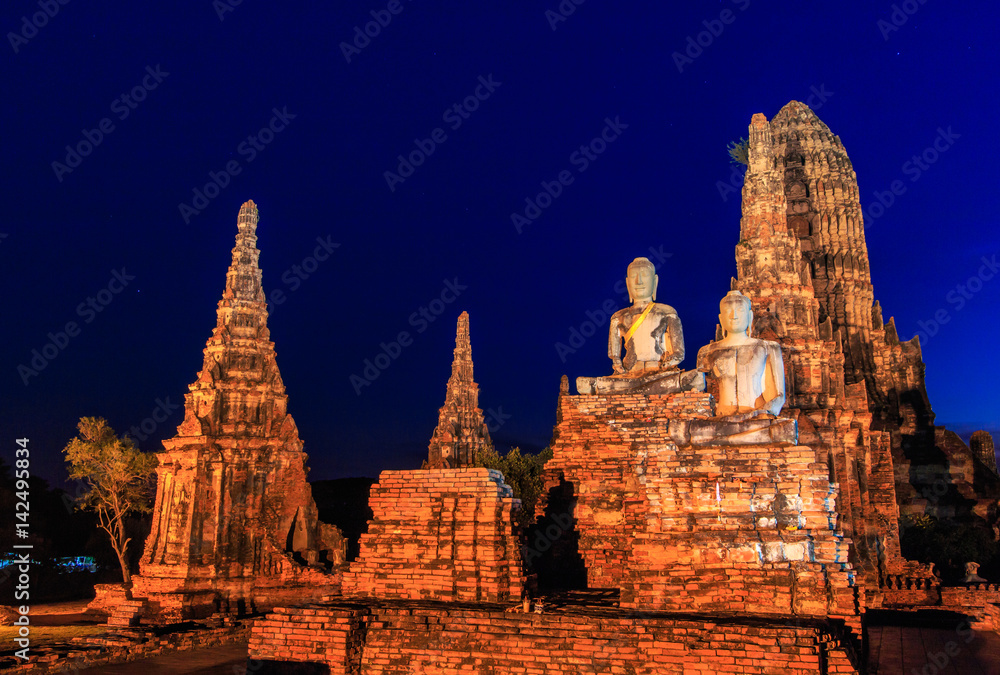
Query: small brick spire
[461, 431]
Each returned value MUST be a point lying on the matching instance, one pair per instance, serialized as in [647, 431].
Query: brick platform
[592, 464]
[397, 638]
[748, 529]
[744, 529]
[443, 534]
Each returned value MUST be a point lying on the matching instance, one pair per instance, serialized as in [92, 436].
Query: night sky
[174, 115]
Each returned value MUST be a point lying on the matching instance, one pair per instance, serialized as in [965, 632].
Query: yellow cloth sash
[638, 322]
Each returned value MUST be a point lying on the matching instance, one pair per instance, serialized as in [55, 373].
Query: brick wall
[591, 469]
[410, 638]
[443, 534]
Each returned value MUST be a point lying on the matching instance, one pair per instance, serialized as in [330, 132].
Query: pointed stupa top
[798, 114]
[244, 294]
[239, 391]
[461, 432]
[461, 365]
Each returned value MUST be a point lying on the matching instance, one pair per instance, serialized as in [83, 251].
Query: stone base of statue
[656, 382]
[727, 431]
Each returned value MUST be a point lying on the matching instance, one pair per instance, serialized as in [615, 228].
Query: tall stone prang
[824, 213]
[833, 416]
[235, 525]
[461, 432]
[858, 393]
[981, 444]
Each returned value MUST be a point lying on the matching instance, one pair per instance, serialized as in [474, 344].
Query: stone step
[127, 613]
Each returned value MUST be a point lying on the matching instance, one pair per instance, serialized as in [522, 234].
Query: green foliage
[118, 479]
[949, 545]
[739, 152]
[523, 473]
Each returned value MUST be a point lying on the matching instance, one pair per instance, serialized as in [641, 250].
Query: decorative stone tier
[398, 638]
[443, 534]
[750, 529]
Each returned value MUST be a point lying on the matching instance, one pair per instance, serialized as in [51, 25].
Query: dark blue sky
[209, 85]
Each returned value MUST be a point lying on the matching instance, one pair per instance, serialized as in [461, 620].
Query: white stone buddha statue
[750, 373]
[653, 340]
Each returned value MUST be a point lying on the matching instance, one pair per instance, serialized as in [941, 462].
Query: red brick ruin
[235, 526]
[667, 540]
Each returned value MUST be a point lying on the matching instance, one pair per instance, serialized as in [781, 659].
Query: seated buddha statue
[749, 372]
[653, 341]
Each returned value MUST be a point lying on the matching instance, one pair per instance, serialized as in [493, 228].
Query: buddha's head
[735, 314]
[641, 280]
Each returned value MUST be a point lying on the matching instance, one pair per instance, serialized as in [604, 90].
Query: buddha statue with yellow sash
[653, 340]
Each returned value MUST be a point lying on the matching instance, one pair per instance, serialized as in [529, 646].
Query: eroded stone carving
[653, 340]
[750, 373]
[972, 574]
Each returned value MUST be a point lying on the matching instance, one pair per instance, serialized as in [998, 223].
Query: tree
[523, 473]
[118, 477]
[739, 152]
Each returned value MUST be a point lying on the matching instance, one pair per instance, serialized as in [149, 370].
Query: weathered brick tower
[461, 432]
[833, 415]
[824, 212]
[235, 523]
